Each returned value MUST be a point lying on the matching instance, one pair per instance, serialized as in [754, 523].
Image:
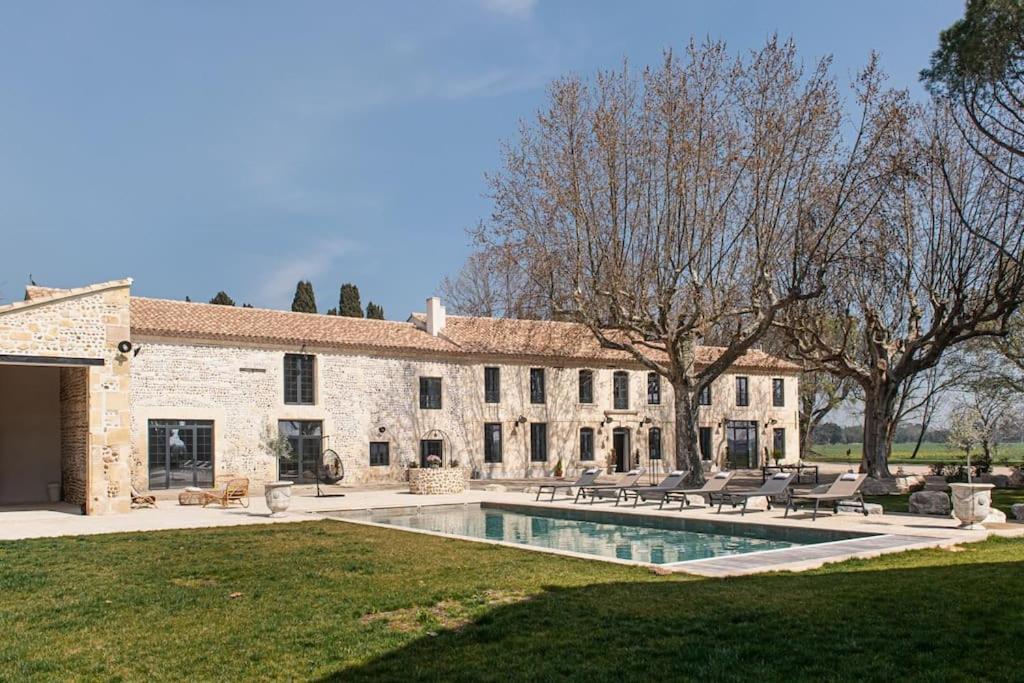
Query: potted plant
[433, 461]
[278, 493]
[972, 502]
[558, 469]
[777, 456]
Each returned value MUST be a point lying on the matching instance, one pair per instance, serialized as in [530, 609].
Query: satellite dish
[331, 468]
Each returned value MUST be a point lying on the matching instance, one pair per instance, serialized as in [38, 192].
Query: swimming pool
[623, 536]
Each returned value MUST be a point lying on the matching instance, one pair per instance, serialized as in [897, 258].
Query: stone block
[995, 517]
[871, 508]
[878, 487]
[935, 483]
[1018, 511]
[1000, 481]
[930, 503]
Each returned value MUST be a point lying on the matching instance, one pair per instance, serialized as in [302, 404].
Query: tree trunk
[879, 427]
[687, 434]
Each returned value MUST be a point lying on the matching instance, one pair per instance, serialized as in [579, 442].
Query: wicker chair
[235, 491]
[140, 500]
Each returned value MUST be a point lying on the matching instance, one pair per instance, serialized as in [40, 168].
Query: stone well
[437, 480]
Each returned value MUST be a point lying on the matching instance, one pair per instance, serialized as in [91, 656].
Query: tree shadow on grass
[954, 622]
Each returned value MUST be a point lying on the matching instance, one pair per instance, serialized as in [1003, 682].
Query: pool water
[624, 541]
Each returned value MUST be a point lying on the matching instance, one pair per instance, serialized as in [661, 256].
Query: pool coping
[738, 564]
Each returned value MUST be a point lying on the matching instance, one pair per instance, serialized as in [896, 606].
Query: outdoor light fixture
[521, 420]
[381, 430]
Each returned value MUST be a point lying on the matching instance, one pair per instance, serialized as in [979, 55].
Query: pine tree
[222, 299]
[304, 300]
[374, 311]
[349, 304]
[332, 311]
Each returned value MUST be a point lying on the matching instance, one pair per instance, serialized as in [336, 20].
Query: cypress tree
[304, 300]
[374, 311]
[222, 299]
[349, 304]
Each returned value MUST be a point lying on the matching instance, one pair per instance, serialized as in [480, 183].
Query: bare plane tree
[936, 267]
[492, 285]
[693, 201]
[820, 394]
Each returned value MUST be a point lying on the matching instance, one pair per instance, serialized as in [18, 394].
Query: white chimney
[435, 316]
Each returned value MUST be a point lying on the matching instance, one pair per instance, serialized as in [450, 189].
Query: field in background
[928, 453]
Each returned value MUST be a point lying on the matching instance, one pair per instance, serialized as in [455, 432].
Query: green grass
[1001, 499]
[929, 453]
[332, 601]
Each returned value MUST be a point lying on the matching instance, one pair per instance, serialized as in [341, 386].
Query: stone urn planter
[279, 497]
[972, 503]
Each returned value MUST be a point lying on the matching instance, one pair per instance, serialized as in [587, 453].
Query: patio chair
[775, 486]
[628, 481]
[845, 489]
[235, 491]
[140, 500]
[588, 477]
[673, 481]
[713, 485]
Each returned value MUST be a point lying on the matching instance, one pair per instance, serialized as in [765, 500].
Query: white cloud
[519, 9]
[277, 286]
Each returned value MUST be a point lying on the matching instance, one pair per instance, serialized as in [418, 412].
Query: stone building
[196, 389]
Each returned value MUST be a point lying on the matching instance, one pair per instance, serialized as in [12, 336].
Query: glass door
[180, 453]
[306, 440]
[741, 436]
[620, 444]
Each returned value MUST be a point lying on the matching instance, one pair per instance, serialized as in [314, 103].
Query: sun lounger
[774, 487]
[140, 500]
[628, 481]
[845, 489]
[713, 485]
[235, 491]
[673, 481]
[587, 478]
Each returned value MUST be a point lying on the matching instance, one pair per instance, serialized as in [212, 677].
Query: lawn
[332, 601]
[1001, 499]
[930, 452]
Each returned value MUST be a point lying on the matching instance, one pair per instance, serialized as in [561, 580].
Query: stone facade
[368, 398]
[109, 397]
[67, 328]
[436, 481]
[74, 433]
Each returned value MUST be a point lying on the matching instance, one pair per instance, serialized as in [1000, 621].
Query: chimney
[435, 316]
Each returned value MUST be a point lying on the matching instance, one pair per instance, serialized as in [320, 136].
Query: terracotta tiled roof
[159, 317]
[461, 336]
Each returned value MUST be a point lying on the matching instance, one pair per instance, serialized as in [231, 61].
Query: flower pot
[972, 503]
[279, 497]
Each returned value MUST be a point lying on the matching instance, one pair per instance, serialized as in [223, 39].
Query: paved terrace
[893, 532]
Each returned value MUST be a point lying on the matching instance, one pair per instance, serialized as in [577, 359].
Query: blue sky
[198, 146]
